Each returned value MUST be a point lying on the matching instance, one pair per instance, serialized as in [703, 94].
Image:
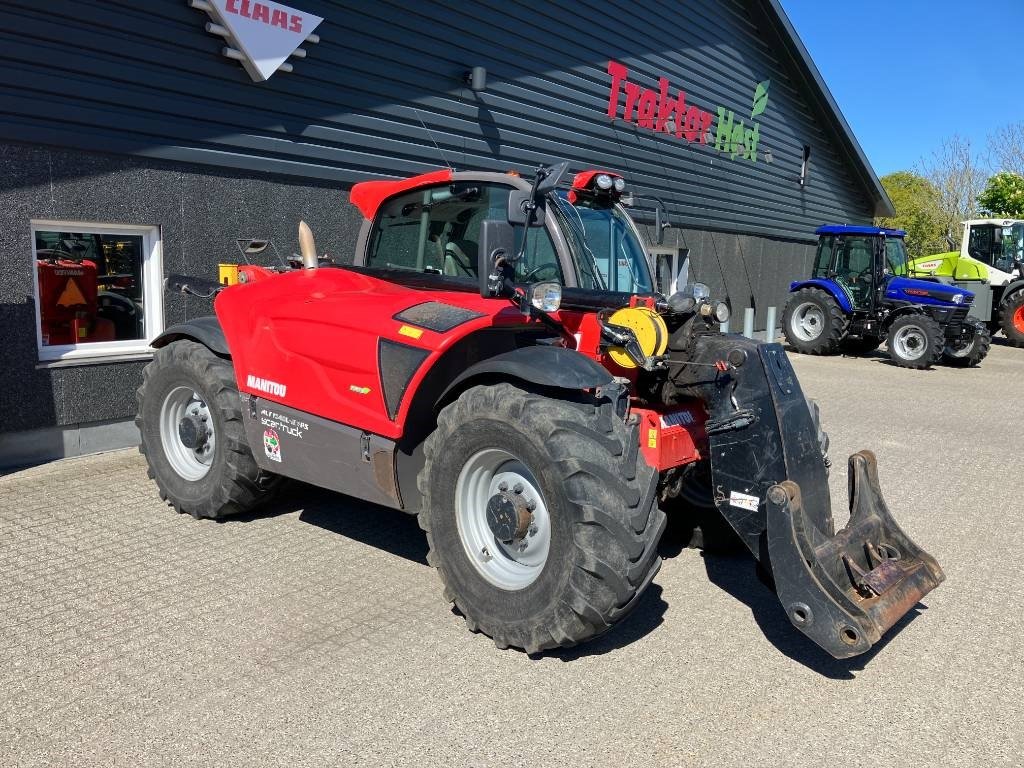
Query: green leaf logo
[760, 98]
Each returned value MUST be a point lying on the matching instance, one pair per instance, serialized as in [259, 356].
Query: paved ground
[315, 634]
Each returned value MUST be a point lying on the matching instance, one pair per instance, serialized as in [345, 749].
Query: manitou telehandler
[497, 360]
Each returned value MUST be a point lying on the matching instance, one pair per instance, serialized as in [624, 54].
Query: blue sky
[909, 73]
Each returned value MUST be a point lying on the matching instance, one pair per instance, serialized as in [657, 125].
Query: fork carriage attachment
[843, 590]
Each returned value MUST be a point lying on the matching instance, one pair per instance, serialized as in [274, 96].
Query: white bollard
[724, 327]
[769, 328]
[748, 322]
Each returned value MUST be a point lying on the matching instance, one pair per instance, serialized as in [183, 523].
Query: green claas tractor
[990, 264]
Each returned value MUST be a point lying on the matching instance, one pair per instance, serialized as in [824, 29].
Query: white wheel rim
[509, 566]
[963, 350]
[808, 321]
[181, 403]
[910, 342]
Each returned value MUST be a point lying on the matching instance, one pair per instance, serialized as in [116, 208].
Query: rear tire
[581, 467]
[1011, 319]
[813, 322]
[915, 341]
[187, 382]
[970, 354]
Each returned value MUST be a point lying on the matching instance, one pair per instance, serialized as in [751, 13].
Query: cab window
[437, 231]
[823, 259]
[896, 256]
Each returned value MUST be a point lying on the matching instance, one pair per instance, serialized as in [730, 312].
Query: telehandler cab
[497, 360]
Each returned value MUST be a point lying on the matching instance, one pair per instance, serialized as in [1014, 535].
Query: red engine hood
[312, 339]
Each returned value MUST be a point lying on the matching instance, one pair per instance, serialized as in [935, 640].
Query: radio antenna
[429, 134]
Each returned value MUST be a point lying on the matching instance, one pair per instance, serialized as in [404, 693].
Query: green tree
[1003, 195]
[918, 211]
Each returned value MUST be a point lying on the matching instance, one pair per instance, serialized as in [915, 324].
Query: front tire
[813, 322]
[915, 341]
[1011, 319]
[192, 435]
[971, 353]
[571, 541]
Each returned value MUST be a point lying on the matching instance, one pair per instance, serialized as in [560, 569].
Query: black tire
[601, 499]
[860, 345]
[1011, 319]
[233, 483]
[973, 353]
[833, 322]
[922, 345]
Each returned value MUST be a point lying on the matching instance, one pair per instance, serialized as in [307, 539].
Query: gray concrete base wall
[34, 446]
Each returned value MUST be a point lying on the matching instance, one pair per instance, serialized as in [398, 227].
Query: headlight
[547, 297]
[620, 184]
[700, 291]
[722, 312]
[958, 298]
[603, 181]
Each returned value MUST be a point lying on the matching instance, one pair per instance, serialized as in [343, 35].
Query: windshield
[896, 256]
[1013, 245]
[606, 250]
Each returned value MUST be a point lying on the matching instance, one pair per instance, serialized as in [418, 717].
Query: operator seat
[460, 258]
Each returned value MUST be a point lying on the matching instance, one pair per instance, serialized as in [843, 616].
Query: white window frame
[152, 293]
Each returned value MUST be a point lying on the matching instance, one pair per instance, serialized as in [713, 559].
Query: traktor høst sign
[662, 113]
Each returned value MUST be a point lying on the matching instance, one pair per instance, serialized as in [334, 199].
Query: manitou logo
[260, 34]
[266, 385]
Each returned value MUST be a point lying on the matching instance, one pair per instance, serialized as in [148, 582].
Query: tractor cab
[860, 261]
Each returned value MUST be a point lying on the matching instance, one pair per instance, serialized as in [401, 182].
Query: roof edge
[827, 104]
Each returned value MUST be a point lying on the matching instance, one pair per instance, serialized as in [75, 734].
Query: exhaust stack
[307, 247]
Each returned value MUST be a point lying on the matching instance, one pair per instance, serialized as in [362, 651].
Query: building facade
[139, 140]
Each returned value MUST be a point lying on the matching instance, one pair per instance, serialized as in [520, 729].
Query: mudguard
[829, 287]
[544, 366]
[845, 589]
[205, 330]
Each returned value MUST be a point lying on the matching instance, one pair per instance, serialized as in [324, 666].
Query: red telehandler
[498, 361]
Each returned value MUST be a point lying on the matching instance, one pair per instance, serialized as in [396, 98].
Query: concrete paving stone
[315, 634]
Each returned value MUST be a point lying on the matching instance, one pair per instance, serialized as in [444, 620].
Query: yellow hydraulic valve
[647, 326]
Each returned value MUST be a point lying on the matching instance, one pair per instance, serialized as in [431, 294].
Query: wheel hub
[508, 516]
[192, 432]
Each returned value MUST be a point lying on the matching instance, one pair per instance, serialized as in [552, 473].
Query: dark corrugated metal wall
[382, 87]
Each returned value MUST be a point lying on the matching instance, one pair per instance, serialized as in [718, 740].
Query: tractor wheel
[813, 322]
[860, 345]
[915, 341]
[970, 354]
[190, 422]
[1011, 318]
[541, 515]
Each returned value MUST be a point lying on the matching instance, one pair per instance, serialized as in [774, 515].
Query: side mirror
[553, 175]
[517, 209]
[495, 257]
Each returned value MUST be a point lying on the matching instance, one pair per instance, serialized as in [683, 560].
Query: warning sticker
[743, 501]
[272, 445]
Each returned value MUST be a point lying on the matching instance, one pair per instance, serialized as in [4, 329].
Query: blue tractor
[859, 295]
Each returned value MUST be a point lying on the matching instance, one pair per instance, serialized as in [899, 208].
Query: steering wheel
[532, 275]
[856, 277]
